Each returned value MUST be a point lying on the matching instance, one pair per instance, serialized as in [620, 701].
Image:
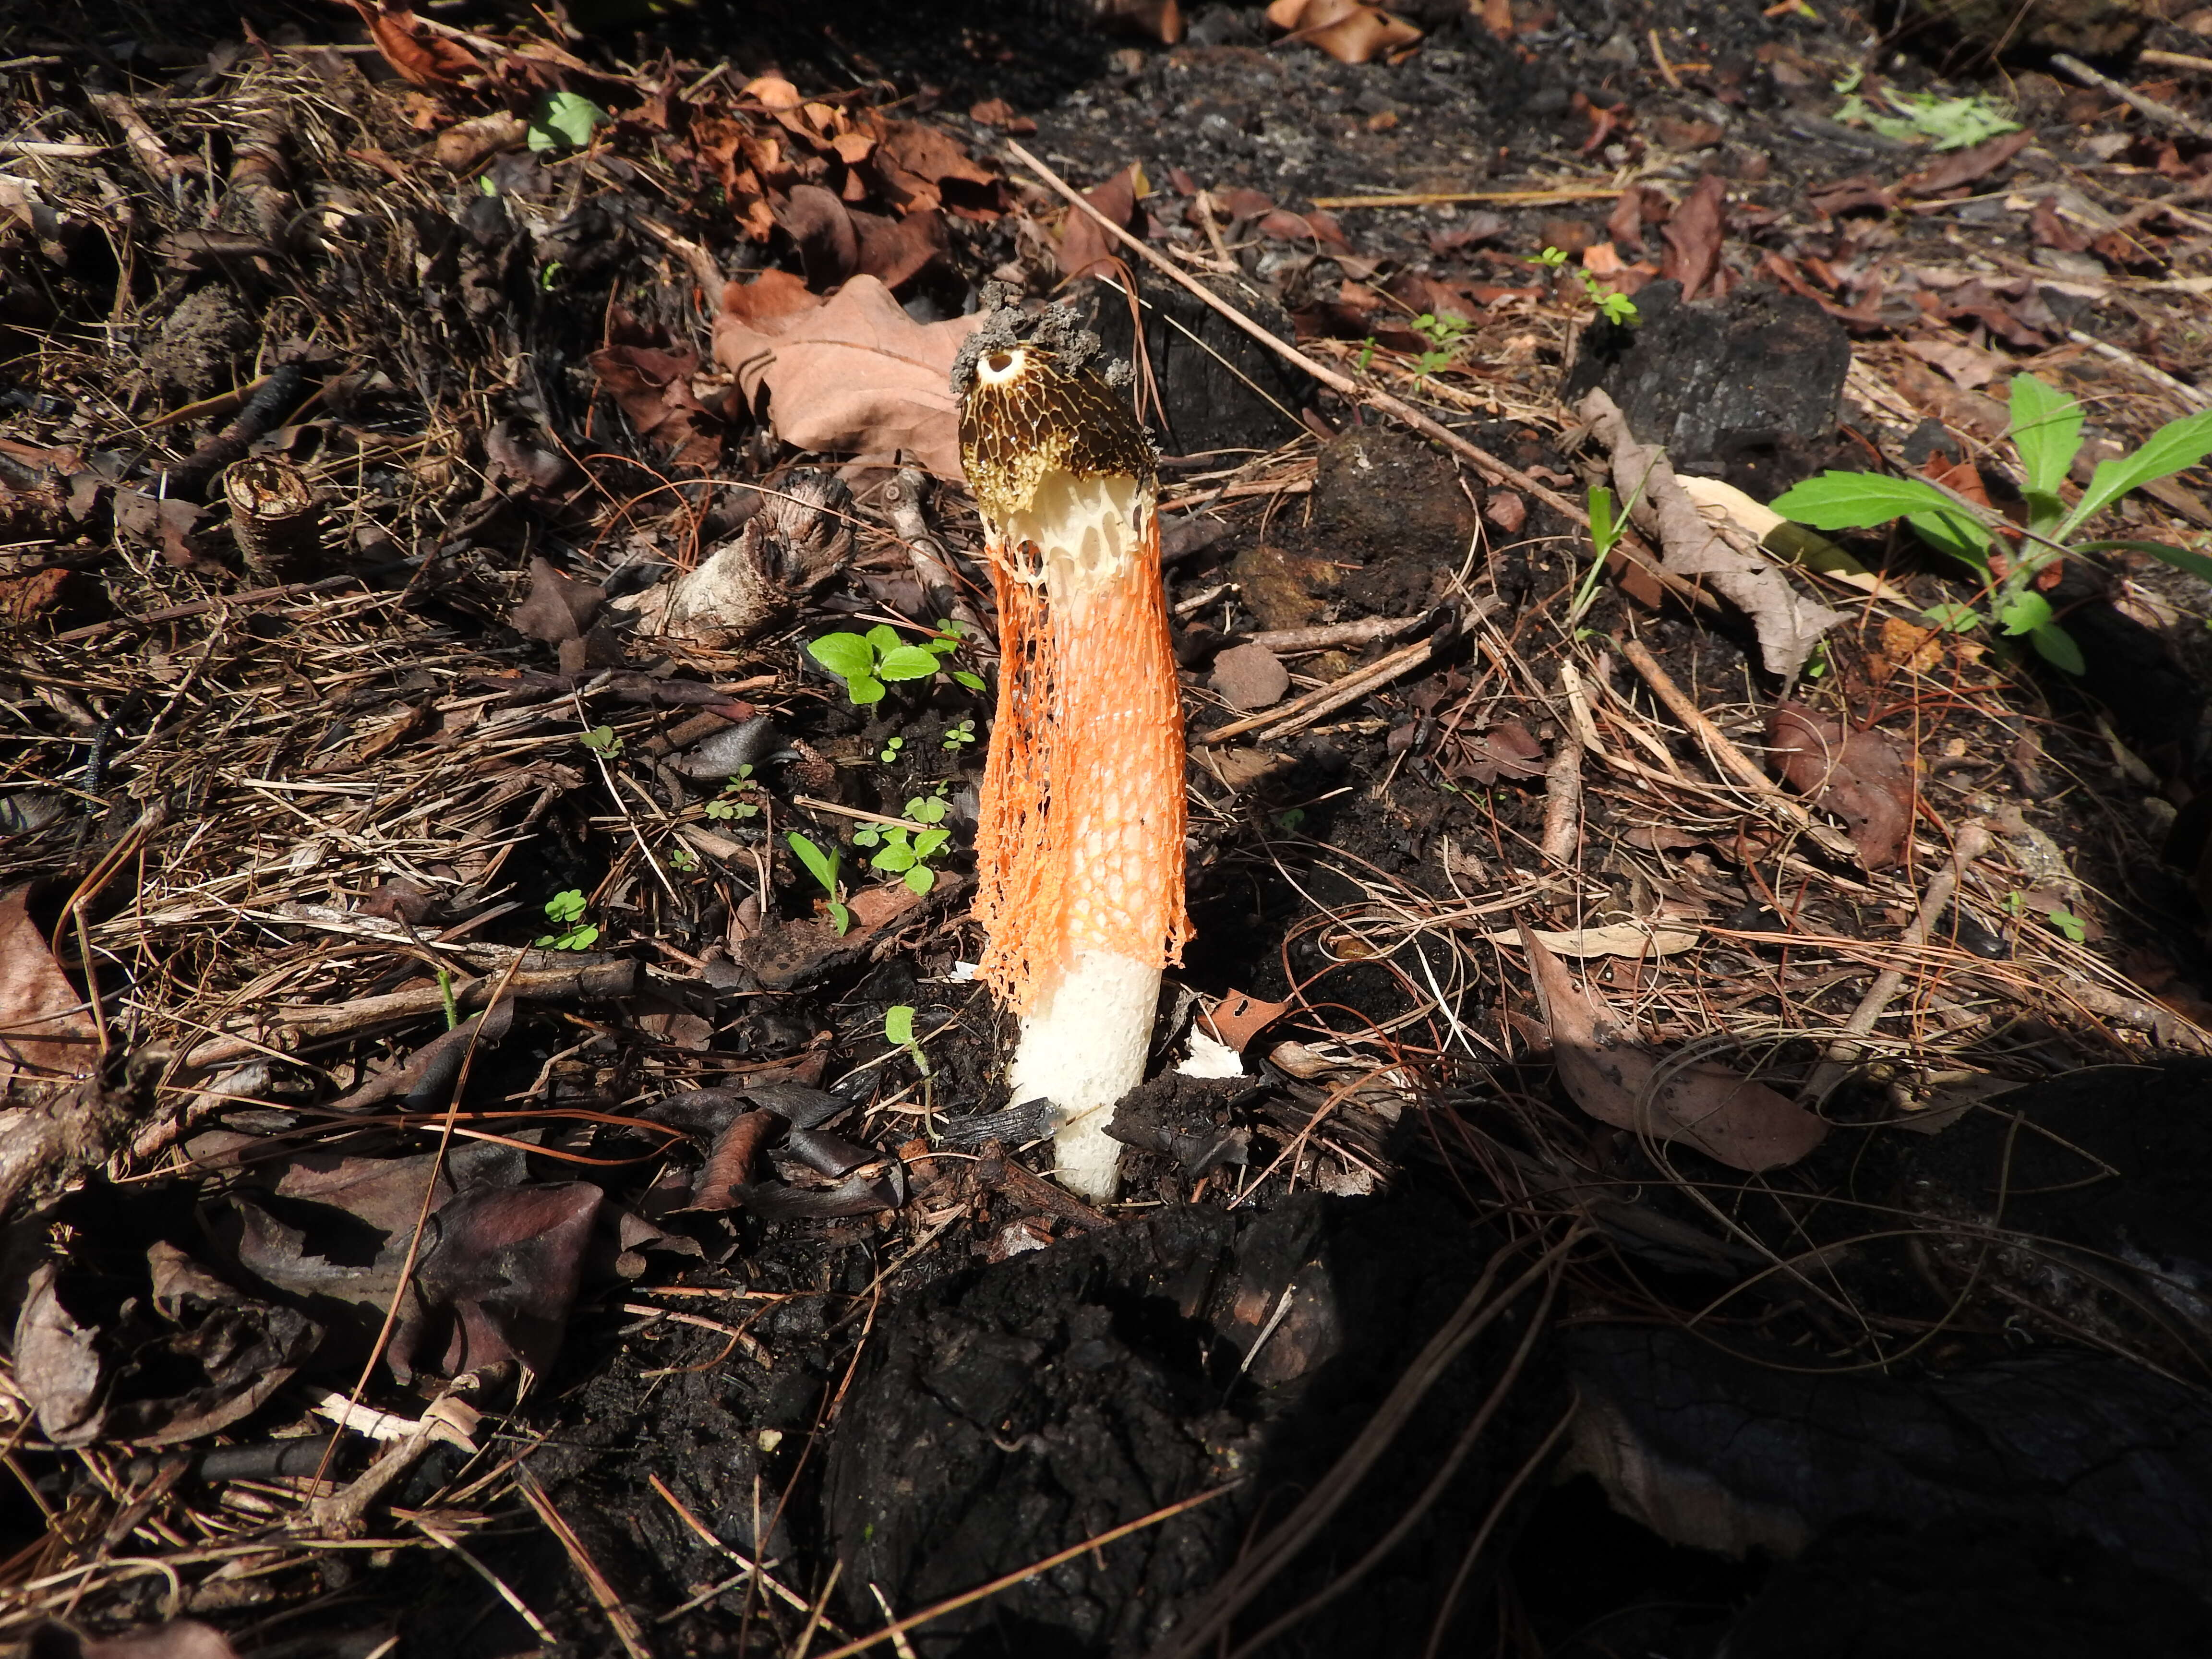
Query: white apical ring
[998, 368]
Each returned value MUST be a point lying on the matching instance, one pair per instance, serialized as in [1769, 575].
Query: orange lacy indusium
[1080, 846]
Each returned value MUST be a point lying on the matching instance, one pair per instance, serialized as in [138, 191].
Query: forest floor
[1681, 1124]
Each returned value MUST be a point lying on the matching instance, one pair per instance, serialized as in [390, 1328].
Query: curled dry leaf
[1860, 776]
[46, 1030]
[1789, 624]
[1617, 1080]
[651, 382]
[1694, 237]
[854, 373]
[100, 1360]
[1085, 250]
[1632, 939]
[1345, 29]
[421, 58]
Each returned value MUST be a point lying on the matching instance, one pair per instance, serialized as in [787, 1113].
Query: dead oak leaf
[1618, 1081]
[46, 1031]
[855, 373]
[652, 386]
[1348, 31]
[420, 56]
[1859, 776]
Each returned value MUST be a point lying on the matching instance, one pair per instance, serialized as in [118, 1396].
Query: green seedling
[1606, 527]
[898, 1030]
[867, 662]
[2069, 926]
[824, 867]
[1290, 818]
[1446, 335]
[2046, 437]
[565, 121]
[565, 910]
[906, 852]
[890, 751]
[1612, 305]
[1923, 117]
[602, 741]
[959, 737]
[734, 801]
[682, 861]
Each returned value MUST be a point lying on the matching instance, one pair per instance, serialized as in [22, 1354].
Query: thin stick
[1725, 752]
[1564, 194]
[620, 1618]
[1484, 462]
[1973, 841]
[2150, 108]
[914, 1620]
[1563, 797]
[1305, 710]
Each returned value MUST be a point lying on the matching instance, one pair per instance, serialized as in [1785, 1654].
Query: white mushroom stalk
[1080, 845]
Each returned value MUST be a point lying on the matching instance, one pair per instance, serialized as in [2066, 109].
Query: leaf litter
[583, 502]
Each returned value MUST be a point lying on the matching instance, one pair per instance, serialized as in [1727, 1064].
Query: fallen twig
[2150, 108]
[1841, 1055]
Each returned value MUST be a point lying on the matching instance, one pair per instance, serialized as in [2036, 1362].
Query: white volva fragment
[1083, 1051]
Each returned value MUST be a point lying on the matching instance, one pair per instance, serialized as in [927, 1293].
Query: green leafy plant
[2010, 559]
[824, 867]
[1612, 305]
[565, 120]
[602, 741]
[891, 749]
[1923, 117]
[867, 662]
[959, 737]
[1444, 335]
[565, 910]
[682, 861]
[734, 801]
[898, 1030]
[2069, 926]
[906, 852]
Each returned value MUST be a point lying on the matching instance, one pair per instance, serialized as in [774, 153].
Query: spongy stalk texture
[1080, 843]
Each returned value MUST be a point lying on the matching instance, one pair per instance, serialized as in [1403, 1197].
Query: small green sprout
[824, 867]
[898, 1030]
[959, 737]
[682, 861]
[1290, 818]
[1612, 305]
[565, 910]
[2068, 926]
[890, 750]
[602, 741]
[906, 852]
[733, 802]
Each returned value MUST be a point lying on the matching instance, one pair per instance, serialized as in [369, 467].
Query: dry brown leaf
[924, 166]
[1617, 1080]
[1345, 29]
[1631, 939]
[1789, 623]
[1859, 776]
[45, 1029]
[652, 385]
[1239, 1017]
[420, 56]
[1085, 248]
[1693, 232]
[855, 374]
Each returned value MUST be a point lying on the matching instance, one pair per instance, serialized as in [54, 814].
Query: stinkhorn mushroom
[1079, 846]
